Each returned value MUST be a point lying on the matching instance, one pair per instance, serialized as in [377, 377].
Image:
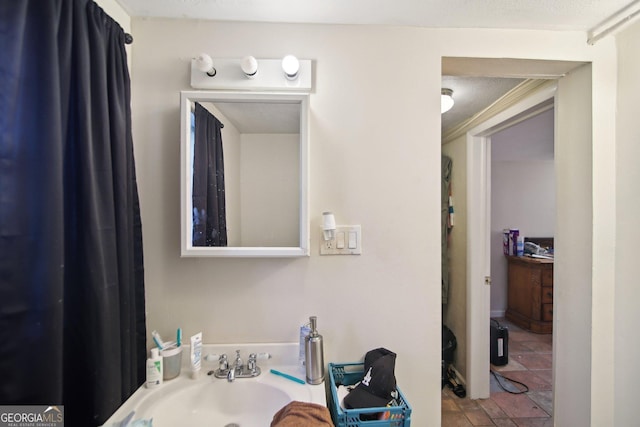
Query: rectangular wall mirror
[244, 176]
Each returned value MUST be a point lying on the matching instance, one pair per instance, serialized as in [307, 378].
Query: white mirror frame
[187, 248]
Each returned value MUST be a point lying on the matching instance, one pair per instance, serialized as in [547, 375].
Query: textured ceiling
[479, 82]
[472, 93]
[524, 14]
[262, 117]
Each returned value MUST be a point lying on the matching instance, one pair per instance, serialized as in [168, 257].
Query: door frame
[478, 147]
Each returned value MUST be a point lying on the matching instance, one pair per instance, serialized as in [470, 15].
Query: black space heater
[499, 344]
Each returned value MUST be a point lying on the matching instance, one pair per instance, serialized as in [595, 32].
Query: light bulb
[204, 63]
[290, 66]
[249, 66]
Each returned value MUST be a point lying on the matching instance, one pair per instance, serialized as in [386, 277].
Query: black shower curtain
[208, 193]
[72, 322]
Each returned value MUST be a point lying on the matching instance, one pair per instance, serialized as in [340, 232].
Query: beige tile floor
[529, 363]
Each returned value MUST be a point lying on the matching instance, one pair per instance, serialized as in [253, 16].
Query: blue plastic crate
[350, 374]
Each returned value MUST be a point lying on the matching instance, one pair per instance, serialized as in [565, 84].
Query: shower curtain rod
[128, 38]
[614, 22]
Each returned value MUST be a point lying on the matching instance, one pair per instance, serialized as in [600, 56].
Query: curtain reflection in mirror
[208, 194]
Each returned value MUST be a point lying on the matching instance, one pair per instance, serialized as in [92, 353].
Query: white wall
[626, 346]
[232, 151]
[370, 164]
[522, 192]
[572, 295]
[270, 189]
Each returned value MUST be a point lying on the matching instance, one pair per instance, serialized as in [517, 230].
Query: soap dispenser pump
[314, 354]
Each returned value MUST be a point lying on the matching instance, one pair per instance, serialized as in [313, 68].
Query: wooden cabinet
[530, 293]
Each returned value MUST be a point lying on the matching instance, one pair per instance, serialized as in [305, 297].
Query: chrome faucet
[238, 362]
[238, 370]
[237, 367]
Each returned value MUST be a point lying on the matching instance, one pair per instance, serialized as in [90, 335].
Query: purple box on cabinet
[513, 241]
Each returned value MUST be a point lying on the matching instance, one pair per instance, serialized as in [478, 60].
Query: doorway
[479, 141]
[522, 187]
[573, 155]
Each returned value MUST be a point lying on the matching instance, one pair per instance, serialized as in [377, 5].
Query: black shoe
[458, 389]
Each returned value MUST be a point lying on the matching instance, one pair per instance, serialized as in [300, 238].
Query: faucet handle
[251, 363]
[223, 362]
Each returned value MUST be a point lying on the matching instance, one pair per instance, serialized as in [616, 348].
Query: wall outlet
[328, 244]
[347, 240]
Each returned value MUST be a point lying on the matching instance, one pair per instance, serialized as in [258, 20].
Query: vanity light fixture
[446, 100]
[291, 67]
[249, 66]
[205, 64]
[328, 225]
[251, 73]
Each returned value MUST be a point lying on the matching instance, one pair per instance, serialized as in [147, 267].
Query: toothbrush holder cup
[171, 362]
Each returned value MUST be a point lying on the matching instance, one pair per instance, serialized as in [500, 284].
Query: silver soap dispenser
[314, 354]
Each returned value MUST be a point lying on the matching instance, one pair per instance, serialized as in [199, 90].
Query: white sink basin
[248, 402]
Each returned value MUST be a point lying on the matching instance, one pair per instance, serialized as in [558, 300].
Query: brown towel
[302, 414]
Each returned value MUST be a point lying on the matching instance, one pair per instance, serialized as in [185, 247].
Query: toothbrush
[157, 339]
[287, 376]
[179, 337]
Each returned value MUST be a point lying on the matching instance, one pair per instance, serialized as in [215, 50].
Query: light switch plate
[344, 233]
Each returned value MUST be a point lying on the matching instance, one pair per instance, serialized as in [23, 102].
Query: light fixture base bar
[270, 76]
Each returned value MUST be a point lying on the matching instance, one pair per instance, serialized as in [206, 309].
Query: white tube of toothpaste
[196, 355]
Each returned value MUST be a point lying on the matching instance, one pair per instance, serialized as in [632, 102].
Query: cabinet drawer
[547, 295]
[547, 312]
[547, 277]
